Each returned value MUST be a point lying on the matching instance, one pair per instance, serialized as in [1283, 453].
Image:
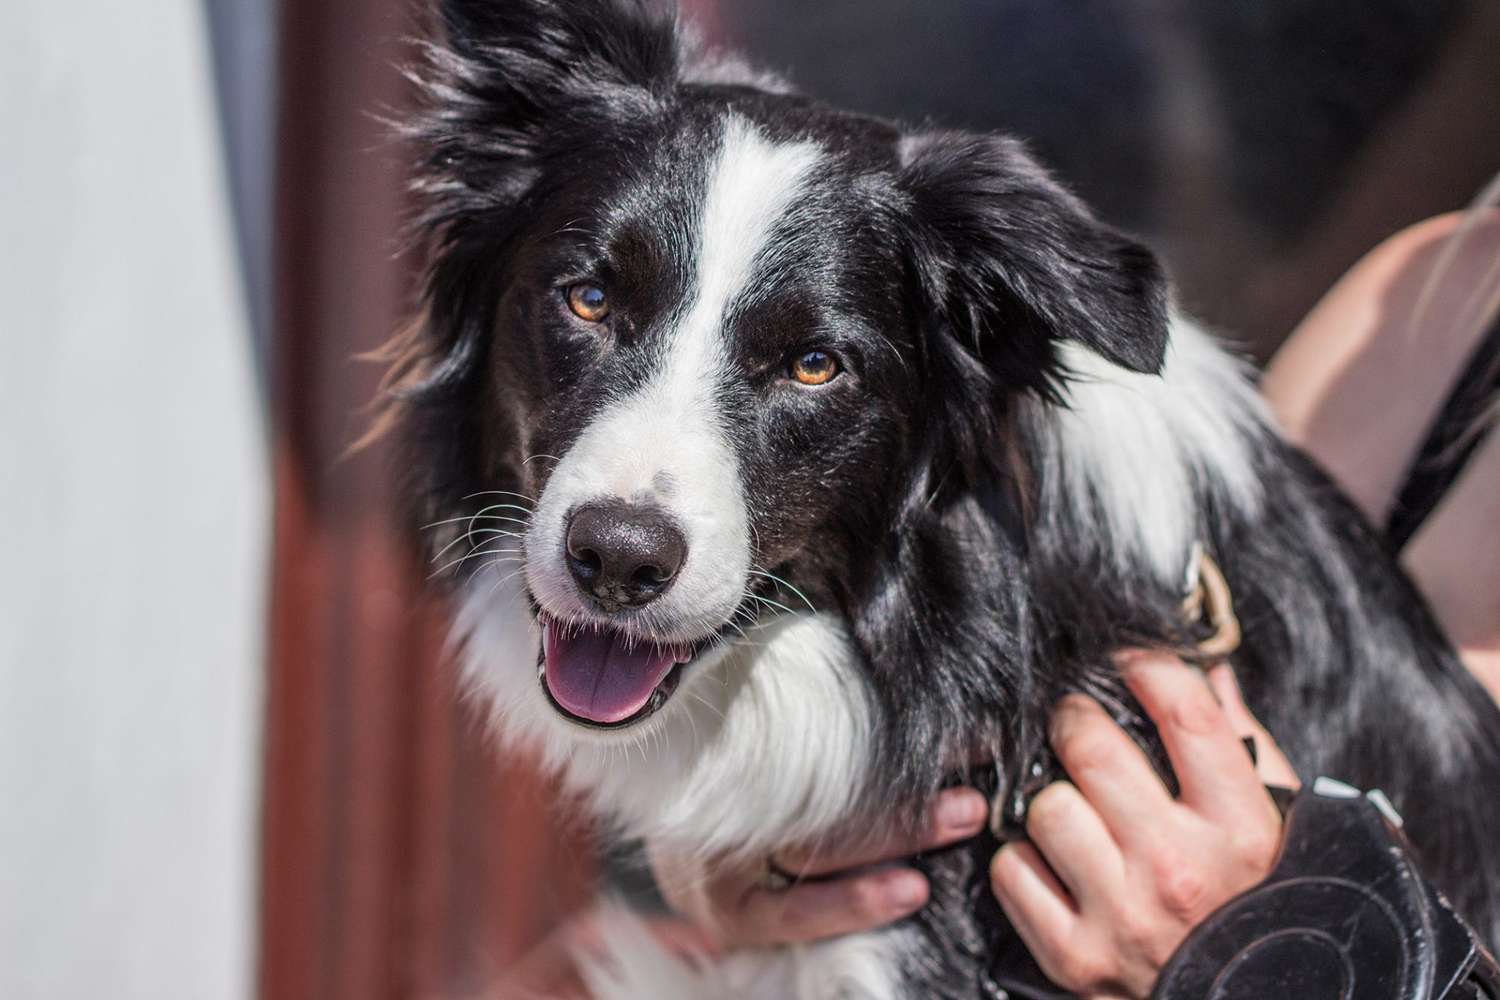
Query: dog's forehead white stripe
[752, 182]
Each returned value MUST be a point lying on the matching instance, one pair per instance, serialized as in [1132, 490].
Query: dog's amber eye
[588, 302]
[814, 368]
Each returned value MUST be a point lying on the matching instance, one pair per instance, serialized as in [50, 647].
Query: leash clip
[1210, 600]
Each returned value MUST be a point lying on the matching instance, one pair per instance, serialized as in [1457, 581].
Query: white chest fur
[857, 967]
[766, 742]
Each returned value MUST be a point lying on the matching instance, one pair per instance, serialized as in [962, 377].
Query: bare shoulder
[1361, 377]
[1359, 382]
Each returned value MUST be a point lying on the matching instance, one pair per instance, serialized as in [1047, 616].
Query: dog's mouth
[604, 678]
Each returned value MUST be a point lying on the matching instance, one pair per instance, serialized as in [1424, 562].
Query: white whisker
[507, 506]
[501, 493]
[767, 600]
[778, 580]
[473, 555]
[706, 704]
[468, 536]
[455, 520]
[504, 580]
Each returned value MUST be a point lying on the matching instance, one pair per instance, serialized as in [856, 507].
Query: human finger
[955, 815]
[1214, 773]
[812, 911]
[1036, 903]
[1076, 842]
[1108, 767]
[1270, 763]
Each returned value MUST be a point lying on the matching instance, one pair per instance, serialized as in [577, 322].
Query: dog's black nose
[624, 555]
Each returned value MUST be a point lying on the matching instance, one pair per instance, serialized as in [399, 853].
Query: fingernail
[908, 890]
[962, 809]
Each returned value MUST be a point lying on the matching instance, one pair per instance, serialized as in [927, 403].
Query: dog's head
[694, 347]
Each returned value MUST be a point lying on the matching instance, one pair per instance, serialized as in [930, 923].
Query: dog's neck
[1015, 586]
[781, 738]
[1133, 462]
[767, 744]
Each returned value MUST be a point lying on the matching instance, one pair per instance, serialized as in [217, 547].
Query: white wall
[133, 517]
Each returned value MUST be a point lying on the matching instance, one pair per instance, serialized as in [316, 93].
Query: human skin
[1115, 870]
[1098, 901]
[1361, 378]
[1138, 869]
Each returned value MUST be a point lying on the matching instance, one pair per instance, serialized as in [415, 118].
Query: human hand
[731, 904]
[552, 969]
[1117, 871]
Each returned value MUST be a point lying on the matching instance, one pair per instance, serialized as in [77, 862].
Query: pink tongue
[596, 677]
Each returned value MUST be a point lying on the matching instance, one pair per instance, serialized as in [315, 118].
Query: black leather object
[1345, 915]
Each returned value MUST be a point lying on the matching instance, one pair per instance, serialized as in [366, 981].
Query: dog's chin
[605, 680]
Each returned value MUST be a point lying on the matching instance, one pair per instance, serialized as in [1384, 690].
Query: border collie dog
[789, 461]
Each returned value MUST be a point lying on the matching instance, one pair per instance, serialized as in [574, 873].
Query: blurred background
[233, 762]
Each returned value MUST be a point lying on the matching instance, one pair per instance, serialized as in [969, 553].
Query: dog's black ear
[559, 48]
[503, 77]
[1015, 263]
[506, 87]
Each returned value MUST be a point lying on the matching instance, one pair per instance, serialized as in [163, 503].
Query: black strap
[1451, 441]
[1344, 915]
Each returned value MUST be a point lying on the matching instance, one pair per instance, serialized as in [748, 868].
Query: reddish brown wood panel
[402, 857]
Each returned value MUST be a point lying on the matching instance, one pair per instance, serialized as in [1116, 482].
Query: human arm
[1361, 378]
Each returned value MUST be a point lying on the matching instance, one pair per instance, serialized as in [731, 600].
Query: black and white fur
[898, 572]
